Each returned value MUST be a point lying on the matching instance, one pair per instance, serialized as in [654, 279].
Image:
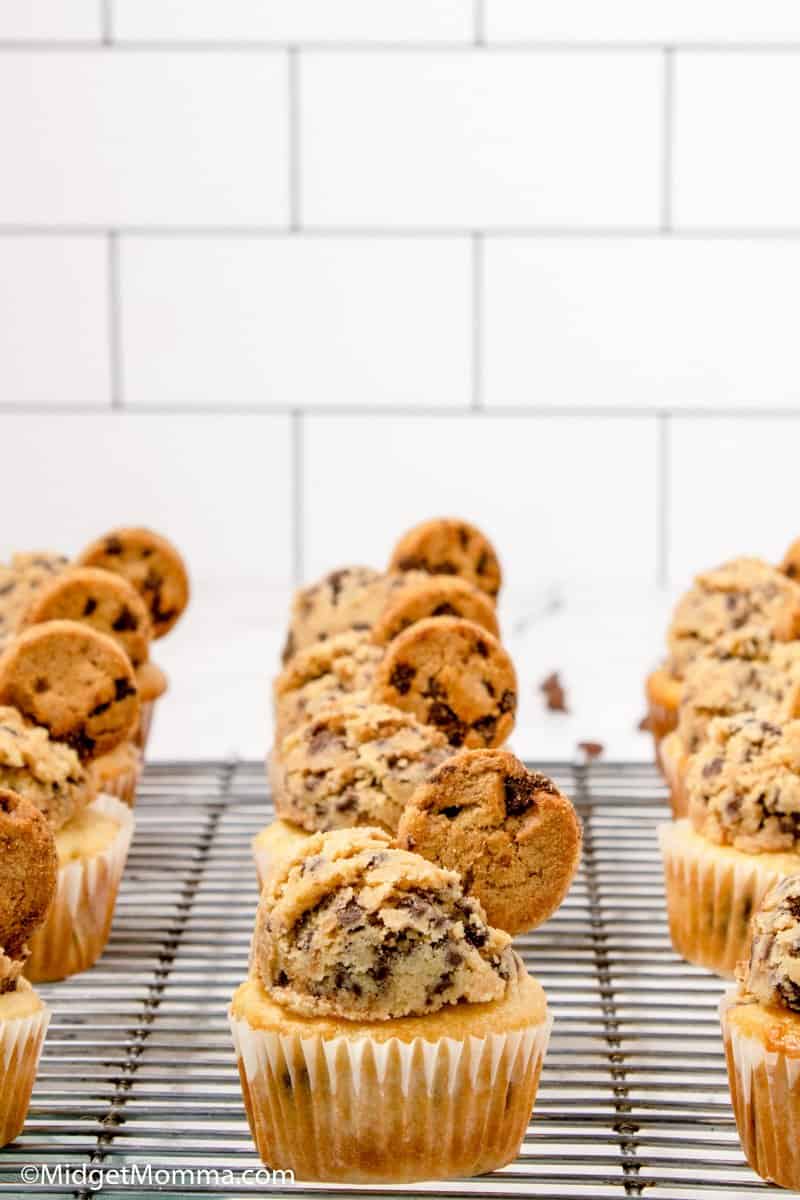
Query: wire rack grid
[138, 1066]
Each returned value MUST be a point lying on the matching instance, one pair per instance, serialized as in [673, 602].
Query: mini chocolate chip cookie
[28, 871]
[77, 683]
[151, 564]
[435, 596]
[512, 835]
[95, 597]
[452, 674]
[448, 546]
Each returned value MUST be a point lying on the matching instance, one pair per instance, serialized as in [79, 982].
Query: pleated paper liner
[21, 1041]
[78, 922]
[361, 1110]
[765, 1092]
[712, 892]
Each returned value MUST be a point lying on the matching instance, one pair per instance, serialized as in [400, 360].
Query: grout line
[114, 322]
[479, 22]
[295, 191]
[478, 317]
[499, 46]
[106, 22]
[298, 497]
[668, 139]
[395, 411]
[664, 498]
[345, 232]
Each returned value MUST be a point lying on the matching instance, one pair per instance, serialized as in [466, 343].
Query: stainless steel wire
[138, 1065]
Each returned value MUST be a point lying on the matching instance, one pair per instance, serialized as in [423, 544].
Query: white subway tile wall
[283, 278]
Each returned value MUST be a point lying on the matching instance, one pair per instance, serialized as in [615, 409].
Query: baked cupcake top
[353, 928]
[744, 784]
[772, 976]
[740, 593]
[341, 666]
[47, 773]
[354, 764]
[742, 671]
[28, 871]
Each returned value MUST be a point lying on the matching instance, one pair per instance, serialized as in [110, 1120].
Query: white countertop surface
[601, 642]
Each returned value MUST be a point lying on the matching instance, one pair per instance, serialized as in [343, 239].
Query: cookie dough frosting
[744, 784]
[20, 581]
[740, 593]
[329, 670]
[772, 977]
[742, 671]
[348, 600]
[354, 764]
[351, 927]
[47, 773]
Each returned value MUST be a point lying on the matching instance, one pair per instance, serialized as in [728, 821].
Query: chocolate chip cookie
[353, 764]
[453, 675]
[448, 546]
[151, 564]
[95, 597]
[28, 871]
[325, 671]
[513, 837]
[434, 596]
[348, 926]
[76, 682]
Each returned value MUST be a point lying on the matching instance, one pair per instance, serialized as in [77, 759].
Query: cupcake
[386, 1033]
[742, 836]
[729, 599]
[761, 1031]
[27, 886]
[68, 696]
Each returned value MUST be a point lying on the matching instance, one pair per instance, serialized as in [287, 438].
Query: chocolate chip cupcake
[740, 672]
[732, 598]
[761, 1031]
[742, 836]
[27, 886]
[386, 1033]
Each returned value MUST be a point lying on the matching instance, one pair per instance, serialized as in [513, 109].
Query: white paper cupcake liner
[78, 922]
[359, 1110]
[765, 1093]
[712, 892]
[21, 1041]
[144, 729]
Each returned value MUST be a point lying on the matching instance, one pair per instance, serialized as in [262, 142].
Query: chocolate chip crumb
[554, 695]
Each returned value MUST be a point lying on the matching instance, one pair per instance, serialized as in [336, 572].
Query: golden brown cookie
[510, 833]
[791, 561]
[454, 675]
[448, 546]
[95, 597]
[435, 596]
[28, 871]
[76, 682]
[151, 564]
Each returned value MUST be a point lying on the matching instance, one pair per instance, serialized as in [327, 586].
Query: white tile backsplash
[733, 486]
[294, 322]
[722, 21]
[294, 20]
[565, 498]
[54, 312]
[735, 132]
[471, 139]
[116, 138]
[46, 20]
[642, 323]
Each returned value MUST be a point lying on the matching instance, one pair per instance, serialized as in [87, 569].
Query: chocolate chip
[445, 981]
[99, 709]
[320, 738]
[123, 688]
[41, 686]
[444, 610]
[282, 980]
[452, 811]
[519, 793]
[482, 648]
[442, 716]
[463, 537]
[712, 768]
[89, 606]
[483, 563]
[508, 701]
[793, 570]
[126, 622]
[335, 582]
[486, 727]
[401, 677]
[350, 915]
[7, 587]
[113, 545]
[434, 690]
[554, 694]
[81, 743]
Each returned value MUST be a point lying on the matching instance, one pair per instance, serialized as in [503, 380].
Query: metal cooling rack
[138, 1066]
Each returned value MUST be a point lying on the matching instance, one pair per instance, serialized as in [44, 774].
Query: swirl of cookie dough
[744, 784]
[326, 671]
[740, 672]
[47, 773]
[349, 926]
[28, 871]
[435, 596]
[449, 546]
[741, 593]
[353, 764]
[772, 976]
